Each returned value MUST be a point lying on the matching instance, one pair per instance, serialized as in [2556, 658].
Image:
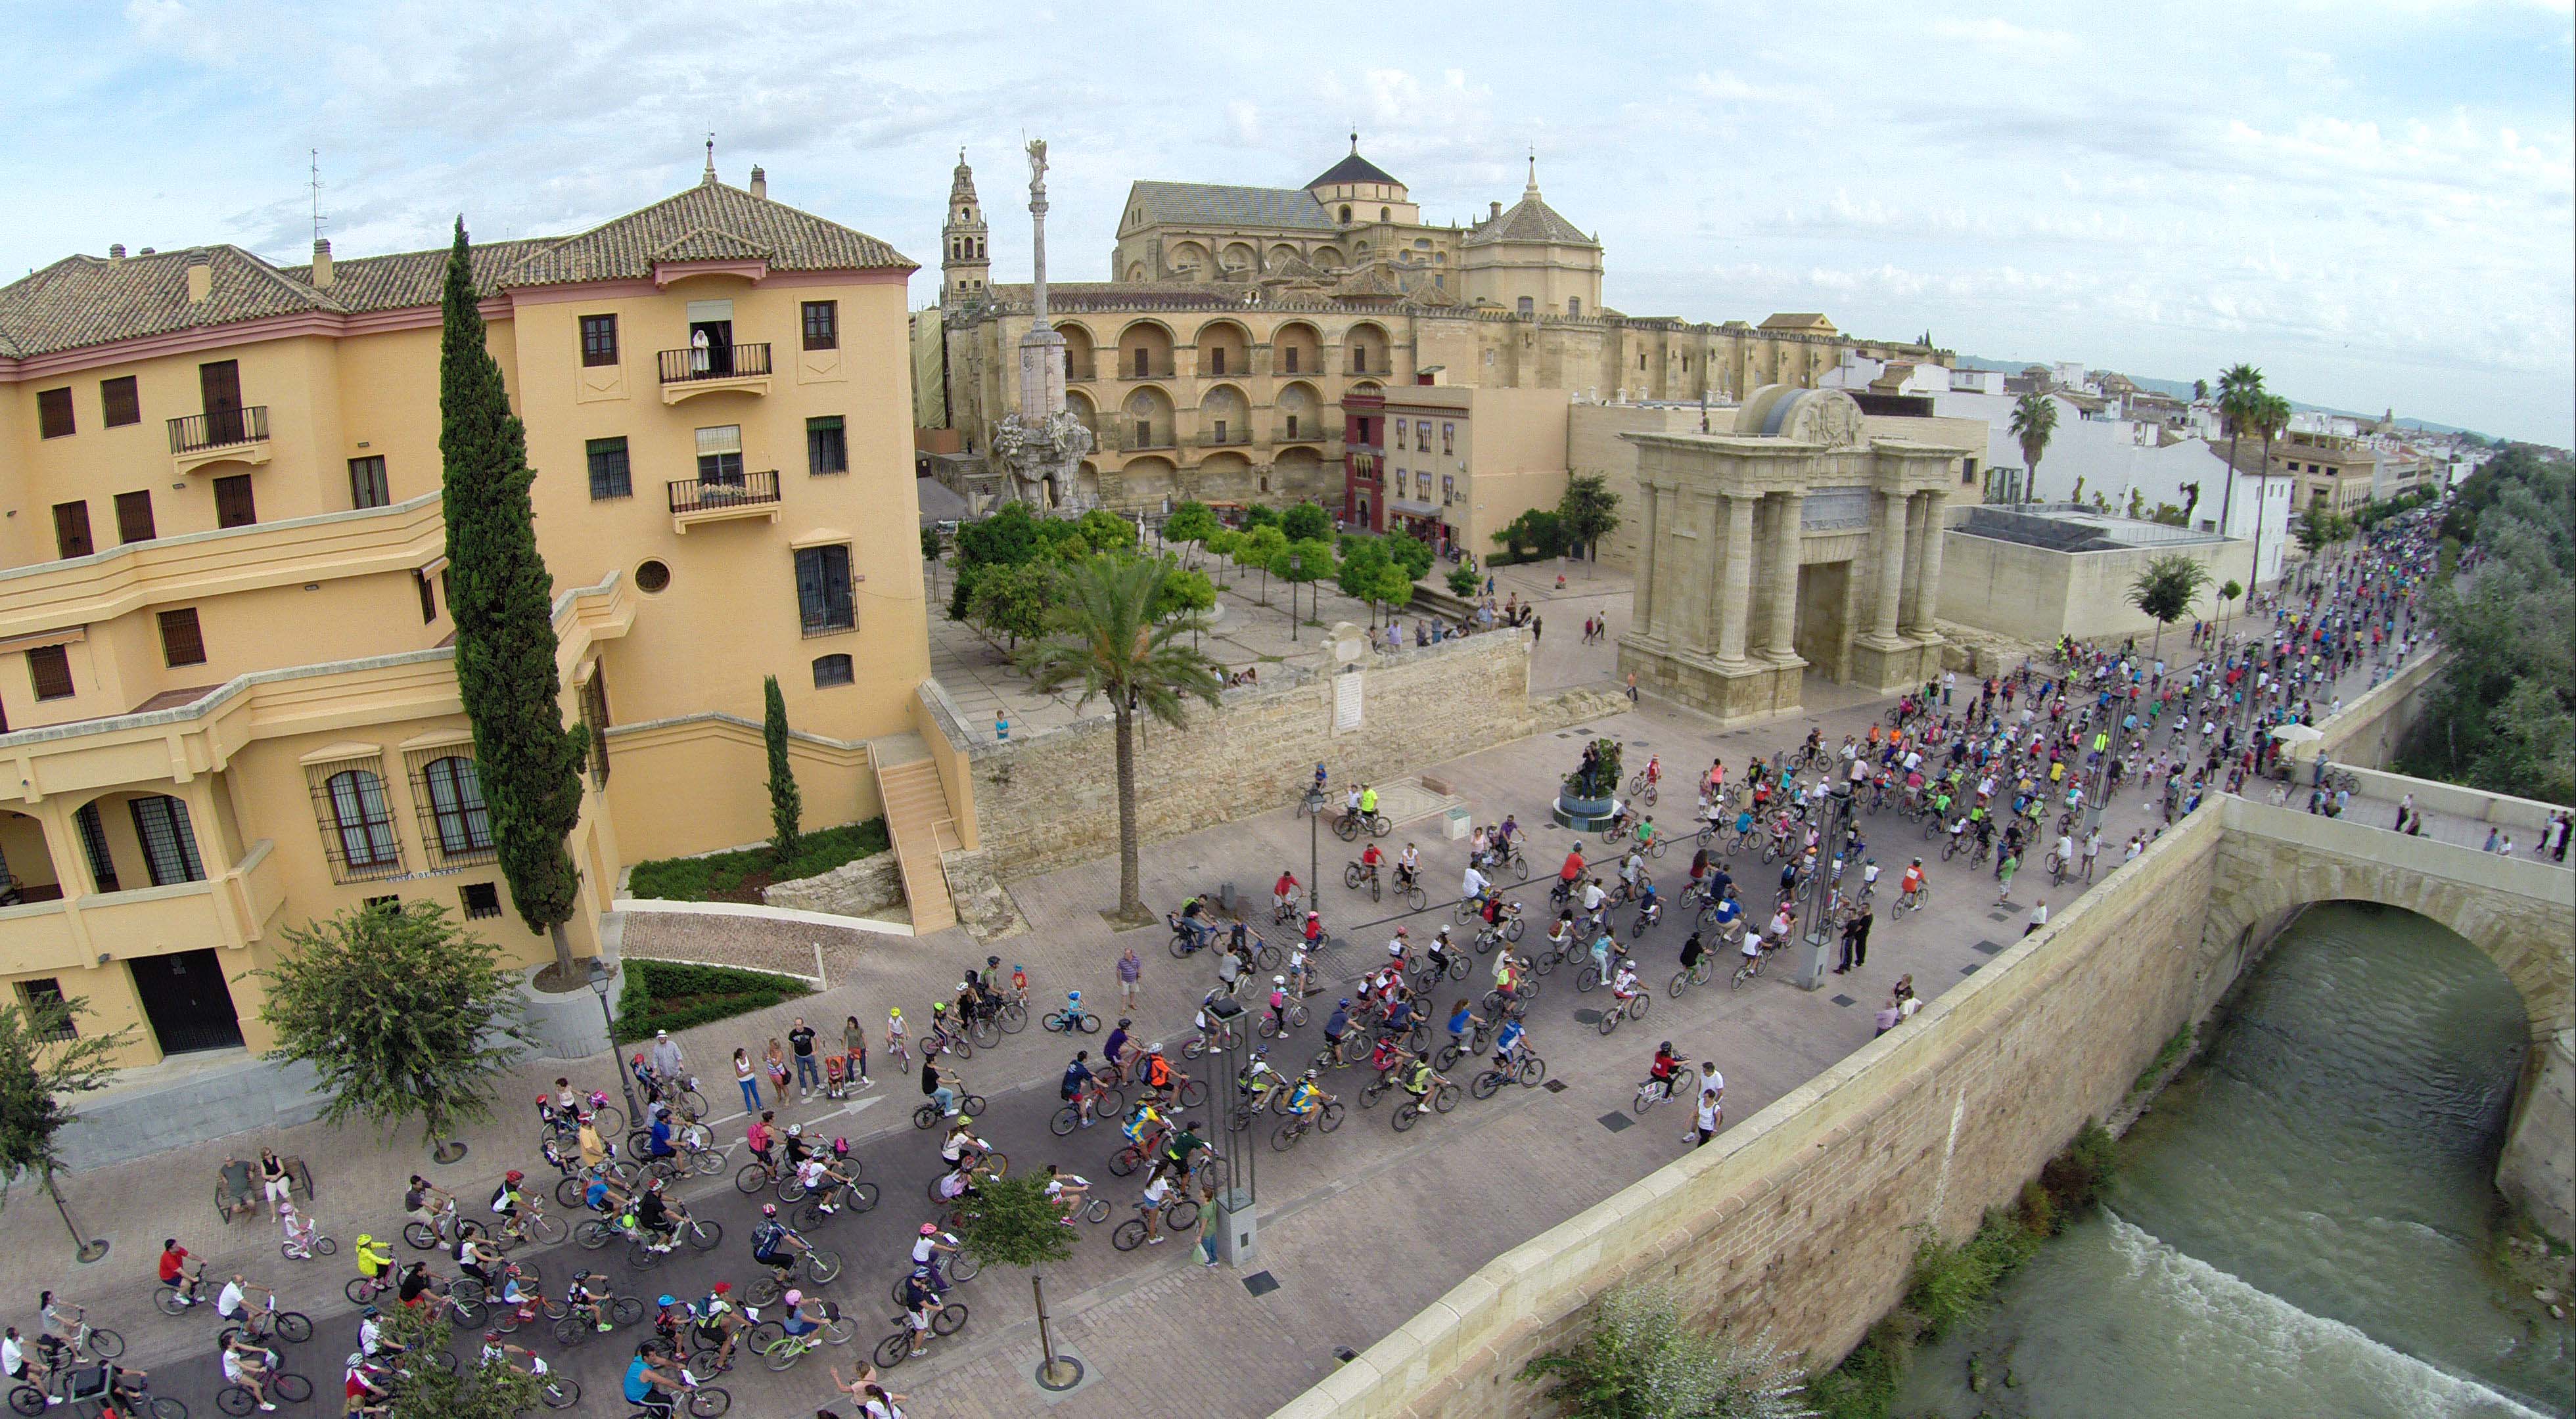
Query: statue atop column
[1042, 445]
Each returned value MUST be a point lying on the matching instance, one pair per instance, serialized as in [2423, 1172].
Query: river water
[2306, 1222]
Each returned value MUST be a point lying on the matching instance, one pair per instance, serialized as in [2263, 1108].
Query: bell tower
[964, 263]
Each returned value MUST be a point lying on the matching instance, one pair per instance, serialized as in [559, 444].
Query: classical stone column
[1905, 612]
[1790, 508]
[1891, 564]
[1735, 578]
[1700, 613]
[1927, 571]
[1651, 562]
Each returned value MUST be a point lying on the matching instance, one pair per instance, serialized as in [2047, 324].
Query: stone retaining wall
[1800, 1220]
[1050, 799]
[862, 888]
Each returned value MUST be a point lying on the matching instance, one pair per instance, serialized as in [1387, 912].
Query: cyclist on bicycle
[245, 1364]
[1076, 1086]
[961, 1148]
[1660, 1074]
[374, 1258]
[1068, 1191]
[1463, 1020]
[805, 1314]
[1181, 1148]
[1156, 1072]
[1145, 1126]
[652, 1378]
[1603, 945]
[1507, 1046]
[1337, 1026]
[432, 1207]
[1283, 893]
[776, 1245]
[1307, 1096]
[372, 1340]
[720, 1323]
[1370, 857]
[1623, 985]
[586, 1298]
[1206, 1023]
[1418, 1079]
[920, 1304]
[927, 1250]
[175, 1274]
[1257, 1079]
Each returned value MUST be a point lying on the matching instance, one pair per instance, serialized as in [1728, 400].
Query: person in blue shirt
[657, 1139]
[1462, 1019]
[1115, 1051]
[1077, 1077]
[1602, 945]
[1339, 1024]
[1399, 1016]
[1507, 1045]
[649, 1384]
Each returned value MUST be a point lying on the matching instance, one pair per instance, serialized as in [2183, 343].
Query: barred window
[609, 474]
[356, 819]
[169, 842]
[454, 818]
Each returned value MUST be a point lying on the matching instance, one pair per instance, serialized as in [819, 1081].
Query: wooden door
[219, 383]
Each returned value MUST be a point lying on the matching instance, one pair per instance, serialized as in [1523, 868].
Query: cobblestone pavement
[1360, 1229]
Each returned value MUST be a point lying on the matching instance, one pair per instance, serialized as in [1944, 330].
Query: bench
[238, 1190]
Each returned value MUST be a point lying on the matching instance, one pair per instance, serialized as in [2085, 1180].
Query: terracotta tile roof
[1209, 204]
[82, 301]
[1529, 219]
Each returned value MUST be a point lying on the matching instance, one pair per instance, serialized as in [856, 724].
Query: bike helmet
[1665, 1048]
[930, 1229]
[358, 1361]
[1154, 1048]
[1310, 1076]
[965, 1121]
[896, 1013]
[992, 960]
[368, 1314]
[795, 1130]
[1311, 916]
[769, 1209]
[674, 1300]
[1073, 996]
[1346, 1002]
[1400, 931]
[1278, 980]
[1124, 1022]
[722, 1287]
[366, 1239]
[1261, 1053]
[794, 1299]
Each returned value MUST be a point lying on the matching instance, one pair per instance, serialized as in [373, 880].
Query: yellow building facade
[227, 697]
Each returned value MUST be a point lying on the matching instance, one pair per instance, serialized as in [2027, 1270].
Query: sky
[2373, 201]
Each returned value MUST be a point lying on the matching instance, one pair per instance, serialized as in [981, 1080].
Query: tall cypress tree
[786, 805]
[501, 598]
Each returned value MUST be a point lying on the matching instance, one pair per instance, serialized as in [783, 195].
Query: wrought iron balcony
[1230, 438]
[1128, 370]
[219, 428]
[741, 494]
[716, 362]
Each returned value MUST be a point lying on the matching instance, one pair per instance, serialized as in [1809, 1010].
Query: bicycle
[1651, 1092]
[293, 1327]
[1633, 1008]
[175, 1297]
[816, 1264]
[1443, 1098]
[238, 1400]
[1271, 1029]
[1907, 902]
[696, 1235]
[1408, 887]
[1249, 1106]
[780, 1351]
[1527, 1073]
[571, 1329]
[1354, 875]
[320, 1246]
[927, 1115]
[991, 1164]
[949, 1319]
[703, 1402]
[1643, 789]
[535, 1226]
[954, 1268]
[1325, 1118]
[1179, 1215]
[1069, 1020]
[1224, 1039]
[1698, 974]
[1347, 827]
[1106, 1101]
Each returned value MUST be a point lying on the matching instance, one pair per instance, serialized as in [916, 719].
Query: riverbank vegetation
[2503, 717]
[1954, 1285]
[1638, 1360]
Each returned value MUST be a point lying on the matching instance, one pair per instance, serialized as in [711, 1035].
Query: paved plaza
[1359, 1230]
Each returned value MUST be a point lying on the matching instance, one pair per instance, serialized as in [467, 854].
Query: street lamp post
[1829, 845]
[1315, 851]
[1296, 569]
[599, 978]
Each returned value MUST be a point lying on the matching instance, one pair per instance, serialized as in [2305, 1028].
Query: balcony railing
[1228, 439]
[711, 494]
[1128, 370]
[715, 362]
[219, 428]
[1303, 433]
[1141, 443]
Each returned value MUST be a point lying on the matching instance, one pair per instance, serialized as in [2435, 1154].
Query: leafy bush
[1955, 1284]
[1463, 582]
[739, 876]
[663, 995]
[1638, 1361]
[2077, 1178]
[2174, 1048]
[1864, 1385]
[1306, 523]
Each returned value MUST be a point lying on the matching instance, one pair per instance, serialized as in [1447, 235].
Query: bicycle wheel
[709, 1402]
[1752, 967]
[571, 1331]
[1406, 1114]
[1193, 1094]
[1347, 827]
[1449, 1054]
[361, 1290]
[1680, 982]
[1444, 1098]
[822, 1264]
[1193, 1047]
[1066, 1120]
[420, 1236]
[1532, 1071]
[1520, 868]
[1128, 1235]
[1095, 1210]
[1013, 1017]
[894, 1349]
[546, 1231]
[1352, 876]
[294, 1389]
[1283, 1138]
[1329, 1117]
[569, 1190]
[164, 1407]
[559, 1391]
[232, 1399]
[1372, 1091]
[1587, 979]
[293, 1327]
[1123, 1162]
[168, 1299]
[1610, 1021]
[926, 1116]
[984, 1032]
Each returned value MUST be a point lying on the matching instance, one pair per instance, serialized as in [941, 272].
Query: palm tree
[2240, 398]
[2034, 419]
[1102, 635]
[2271, 418]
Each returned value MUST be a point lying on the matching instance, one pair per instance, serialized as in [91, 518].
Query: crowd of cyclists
[1998, 768]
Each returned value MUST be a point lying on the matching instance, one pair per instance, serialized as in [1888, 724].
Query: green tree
[1105, 531]
[1015, 1223]
[486, 1389]
[1190, 522]
[1257, 549]
[2226, 594]
[1301, 562]
[42, 1058]
[786, 805]
[1363, 570]
[2165, 591]
[1260, 515]
[2199, 389]
[2034, 422]
[2190, 501]
[1305, 522]
[500, 597]
[932, 549]
[2241, 404]
[1588, 512]
[404, 1015]
[1540, 531]
[1225, 542]
[1102, 636]
[1637, 1360]
[1411, 553]
[1010, 602]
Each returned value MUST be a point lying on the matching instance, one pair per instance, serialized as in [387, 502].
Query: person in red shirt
[1284, 892]
[1572, 872]
[175, 1273]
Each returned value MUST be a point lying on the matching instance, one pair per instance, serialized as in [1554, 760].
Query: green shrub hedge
[739, 876]
[663, 995]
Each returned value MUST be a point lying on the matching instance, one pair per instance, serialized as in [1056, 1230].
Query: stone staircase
[919, 822]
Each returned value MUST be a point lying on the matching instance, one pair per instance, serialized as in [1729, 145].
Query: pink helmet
[930, 1229]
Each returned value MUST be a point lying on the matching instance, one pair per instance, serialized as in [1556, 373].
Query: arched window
[832, 670]
[1385, 214]
[361, 821]
[1346, 213]
[456, 810]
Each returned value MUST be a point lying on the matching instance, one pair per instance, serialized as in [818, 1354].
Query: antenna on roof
[708, 178]
[314, 183]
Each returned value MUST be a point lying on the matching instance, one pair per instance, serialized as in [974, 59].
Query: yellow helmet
[366, 1238]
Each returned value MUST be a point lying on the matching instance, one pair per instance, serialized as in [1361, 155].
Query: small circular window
[653, 575]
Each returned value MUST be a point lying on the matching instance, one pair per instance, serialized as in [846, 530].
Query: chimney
[116, 252]
[759, 181]
[322, 263]
[1493, 210]
[147, 251]
[201, 282]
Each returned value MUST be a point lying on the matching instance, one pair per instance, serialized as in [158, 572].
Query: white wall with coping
[802, 918]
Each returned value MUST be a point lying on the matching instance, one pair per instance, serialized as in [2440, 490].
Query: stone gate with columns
[1793, 542]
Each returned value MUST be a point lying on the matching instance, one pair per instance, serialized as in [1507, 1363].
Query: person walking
[854, 1044]
[809, 1070]
[1851, 935]
[1130, 976]
[1712, 1105]
[1632, 687]
[746, 1078]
